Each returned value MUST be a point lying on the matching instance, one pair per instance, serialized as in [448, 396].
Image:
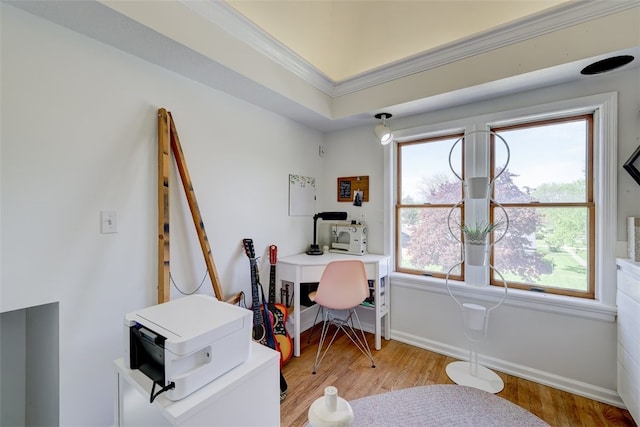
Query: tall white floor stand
[476, 247]
[476, 320]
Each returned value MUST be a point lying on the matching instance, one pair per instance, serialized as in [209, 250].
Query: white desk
[303, 268]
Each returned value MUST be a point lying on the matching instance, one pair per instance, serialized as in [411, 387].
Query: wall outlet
[108, 222]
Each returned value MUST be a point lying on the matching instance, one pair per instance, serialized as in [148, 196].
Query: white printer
[186, 343]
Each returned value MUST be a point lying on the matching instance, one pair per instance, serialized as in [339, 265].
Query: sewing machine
[349, 238]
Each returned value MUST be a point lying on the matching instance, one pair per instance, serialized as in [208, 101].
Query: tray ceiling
[343, 39]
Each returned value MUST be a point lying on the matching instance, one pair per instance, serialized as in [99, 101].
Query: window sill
[549, 303]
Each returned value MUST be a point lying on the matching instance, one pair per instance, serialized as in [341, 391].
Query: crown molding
[569, 14]
[535, 25]
[238, 26]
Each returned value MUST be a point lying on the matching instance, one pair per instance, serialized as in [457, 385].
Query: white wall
[79, 136]
[569, 352]
[354, 152]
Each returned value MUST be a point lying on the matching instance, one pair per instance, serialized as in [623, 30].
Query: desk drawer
[311, 273]
[376, 270]
[371, 270]
[384, 268]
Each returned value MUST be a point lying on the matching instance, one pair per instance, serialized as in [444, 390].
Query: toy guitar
[279, 311]
[259, 333]
[262, 317]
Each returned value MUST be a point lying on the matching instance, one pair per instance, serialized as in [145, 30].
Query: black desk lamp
[314, 249]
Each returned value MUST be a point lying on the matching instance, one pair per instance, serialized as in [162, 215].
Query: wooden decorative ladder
[168, 140]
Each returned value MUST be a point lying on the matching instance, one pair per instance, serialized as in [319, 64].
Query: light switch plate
[108, 222]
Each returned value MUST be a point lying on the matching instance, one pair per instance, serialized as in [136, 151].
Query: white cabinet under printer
[628, 301]
[191, 362]
[247, 395]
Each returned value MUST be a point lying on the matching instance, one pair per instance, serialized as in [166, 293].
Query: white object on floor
[475, 320]
[330, 410]
[483, 378]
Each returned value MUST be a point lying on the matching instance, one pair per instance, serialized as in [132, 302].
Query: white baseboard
[590, 391]
[579, 388]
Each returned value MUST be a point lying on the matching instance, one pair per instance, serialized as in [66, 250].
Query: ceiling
[343, 38]
[334, 64]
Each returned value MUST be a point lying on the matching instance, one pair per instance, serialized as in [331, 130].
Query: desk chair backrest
[343, 285]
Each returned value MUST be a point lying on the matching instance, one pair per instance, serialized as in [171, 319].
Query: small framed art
[351, 186]
[632, 165]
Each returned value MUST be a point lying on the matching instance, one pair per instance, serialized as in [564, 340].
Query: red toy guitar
[279, 311]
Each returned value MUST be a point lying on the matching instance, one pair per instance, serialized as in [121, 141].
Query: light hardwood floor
[401, 366]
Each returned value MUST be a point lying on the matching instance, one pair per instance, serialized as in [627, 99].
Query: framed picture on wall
[350, 186]
[302, 195]
[632, 165]
[344, 190]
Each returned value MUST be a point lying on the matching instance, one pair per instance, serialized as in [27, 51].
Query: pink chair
[343, 286]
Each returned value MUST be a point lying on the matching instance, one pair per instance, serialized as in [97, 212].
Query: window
[556, 189]
[429, 190]
[548, 194]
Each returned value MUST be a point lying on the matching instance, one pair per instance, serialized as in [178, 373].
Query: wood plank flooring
[401, 366]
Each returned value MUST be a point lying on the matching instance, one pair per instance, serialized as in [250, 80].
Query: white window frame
[605, 150]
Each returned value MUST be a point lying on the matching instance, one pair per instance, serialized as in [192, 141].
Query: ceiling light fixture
[382, 132]
[606, 65]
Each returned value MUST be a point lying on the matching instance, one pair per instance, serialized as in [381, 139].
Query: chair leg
[326, 324]
[348, 328]
[360, 340]
[323, 335]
